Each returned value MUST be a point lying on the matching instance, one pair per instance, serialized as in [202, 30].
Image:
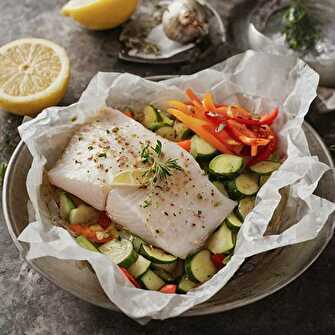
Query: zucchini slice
[165, 119]
[220, 187]
[264, 167]
[167, 132]
[182, 132]
[151, 281]
[221, 241]
[157, 255]
[83, 214]
[242, 186]
[185, 285]
[200, 267]
[86, 244]
[121, 252]
[233, 222]
[166, 276]
[170, 267]
[66, 205]
[263, 179]
[227, 259]
[226, 166]
[201, 149]
[151, 117]
[141, 266]
[137, 242]
[245, 206]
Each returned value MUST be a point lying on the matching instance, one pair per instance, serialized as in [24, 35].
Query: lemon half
[34, 74]
[100, 14]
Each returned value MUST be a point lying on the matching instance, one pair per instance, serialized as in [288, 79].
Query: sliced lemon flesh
[133, 177]
[100, 14]
[34, 74]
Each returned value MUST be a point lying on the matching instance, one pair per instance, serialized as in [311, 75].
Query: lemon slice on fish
[100, 14]
[132, 177]
[34, 74]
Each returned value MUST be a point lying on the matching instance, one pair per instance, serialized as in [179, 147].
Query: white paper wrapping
[256, 80]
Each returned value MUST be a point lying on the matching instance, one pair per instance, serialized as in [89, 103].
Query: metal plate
[259, 277]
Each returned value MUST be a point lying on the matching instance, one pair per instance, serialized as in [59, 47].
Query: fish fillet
[177, 215]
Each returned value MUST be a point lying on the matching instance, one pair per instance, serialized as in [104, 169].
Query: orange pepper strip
[254, 150]
[192, 96]
[198, 126]
[179, 105]
[186, 145]
[198, 111]
[208, 102]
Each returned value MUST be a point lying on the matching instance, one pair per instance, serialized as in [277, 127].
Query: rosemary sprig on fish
[159, 169]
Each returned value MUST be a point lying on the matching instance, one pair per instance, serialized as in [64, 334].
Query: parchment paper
[255, 80]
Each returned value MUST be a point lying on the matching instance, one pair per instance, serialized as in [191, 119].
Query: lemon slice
[34, 74]
[133, 177]
[100, 14]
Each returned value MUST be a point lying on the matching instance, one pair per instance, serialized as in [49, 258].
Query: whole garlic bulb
[185, 21]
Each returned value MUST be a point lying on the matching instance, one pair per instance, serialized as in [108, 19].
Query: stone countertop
[30, 305]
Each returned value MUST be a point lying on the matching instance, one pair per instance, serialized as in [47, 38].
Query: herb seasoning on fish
[159, 169]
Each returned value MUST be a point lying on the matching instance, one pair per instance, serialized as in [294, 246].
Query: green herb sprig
[301, 29]
[160, 169]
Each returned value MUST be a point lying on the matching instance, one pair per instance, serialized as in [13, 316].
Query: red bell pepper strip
[130, 277]
[225, 138]
[241, 133]
[186, 145]
[237, 130]
[264, 120]
[215, 118]
[104, 221]
[265, 152]
[168, 288]
[80, 229]
[270, 117]
[218, 260]
[198, 126]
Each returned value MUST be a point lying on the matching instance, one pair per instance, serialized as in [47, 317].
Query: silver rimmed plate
[259, 277]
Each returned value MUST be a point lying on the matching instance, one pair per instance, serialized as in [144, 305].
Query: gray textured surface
[30, 305]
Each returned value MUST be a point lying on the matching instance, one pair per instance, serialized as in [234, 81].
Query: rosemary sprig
[160, 169]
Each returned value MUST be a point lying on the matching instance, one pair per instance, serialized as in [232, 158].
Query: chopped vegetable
[169, 288]
[151, 281]
[218, 260]
[91, 235]
[104, 221]
[86, 244]
[198, 127]
[186, 145]
[130, 278]
[120, 251]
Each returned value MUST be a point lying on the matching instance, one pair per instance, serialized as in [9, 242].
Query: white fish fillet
[181, 214]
